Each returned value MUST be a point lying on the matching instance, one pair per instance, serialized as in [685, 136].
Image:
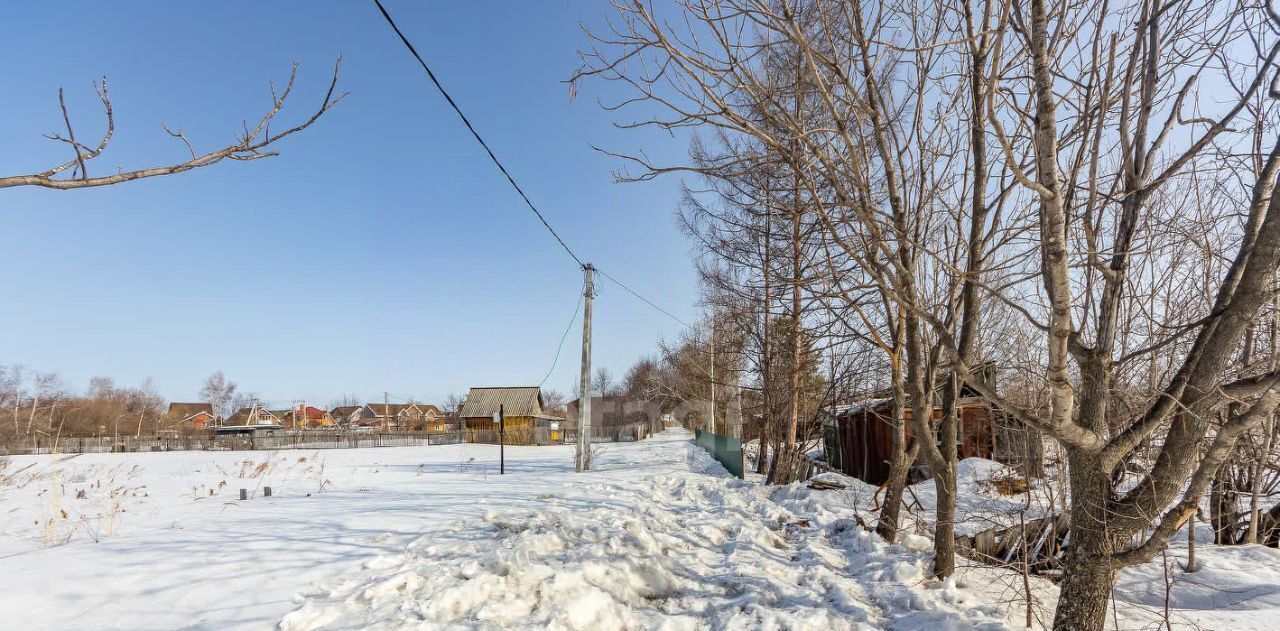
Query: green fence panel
[727, 450]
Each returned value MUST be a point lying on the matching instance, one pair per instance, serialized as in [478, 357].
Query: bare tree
[251, 144]
[554, 401]
[452, 404]
[219, 393]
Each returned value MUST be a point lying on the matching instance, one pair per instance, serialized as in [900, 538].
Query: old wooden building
[526, 421]
[858, 439]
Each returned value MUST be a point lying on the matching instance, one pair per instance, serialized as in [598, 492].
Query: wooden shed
[526, 422]
[859, 438]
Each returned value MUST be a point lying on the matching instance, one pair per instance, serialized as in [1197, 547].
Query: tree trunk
[944, 529]
[1084, 591]
[762, 460]
[1086, 570]
[1222, 513]
[890, 511]
[1191, 545]
[766, 341]
[887, 524]
[1259, 465]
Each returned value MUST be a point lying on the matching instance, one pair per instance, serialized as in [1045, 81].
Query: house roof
[314, 413]
[869, 404]
[344, 410]
[520, 401]
[241, 417]
[398, 408]
[186, 410]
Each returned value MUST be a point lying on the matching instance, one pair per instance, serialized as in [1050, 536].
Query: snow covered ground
[657, 537]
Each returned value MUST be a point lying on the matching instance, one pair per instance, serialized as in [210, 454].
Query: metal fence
[612, 433]
[727, 450]
[316, 439]
[285, 439]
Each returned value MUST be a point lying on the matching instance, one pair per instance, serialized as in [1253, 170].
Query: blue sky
[381, 251]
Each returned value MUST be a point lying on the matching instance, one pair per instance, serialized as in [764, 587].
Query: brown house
[192, 415]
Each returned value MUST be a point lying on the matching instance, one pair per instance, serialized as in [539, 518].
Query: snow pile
[675, 550]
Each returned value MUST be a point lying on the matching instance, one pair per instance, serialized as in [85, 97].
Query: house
[413, 416]
[361, 415]
[617, 412]
[858, 439]
[342, 415]
[525, 420]
[193, 415]
[252, 416]
[309, 416]
[429, 418]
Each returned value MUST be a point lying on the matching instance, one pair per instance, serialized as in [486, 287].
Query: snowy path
[657, 537]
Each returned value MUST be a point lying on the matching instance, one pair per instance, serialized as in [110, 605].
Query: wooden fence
[1040, 543]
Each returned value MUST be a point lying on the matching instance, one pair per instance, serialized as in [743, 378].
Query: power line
[559, 348]
[431, 75]
[646, 300]
[473, 131]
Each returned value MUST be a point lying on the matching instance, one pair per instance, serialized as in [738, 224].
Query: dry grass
[1009, 484]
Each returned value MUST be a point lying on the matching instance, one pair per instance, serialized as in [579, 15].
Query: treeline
[38, 406]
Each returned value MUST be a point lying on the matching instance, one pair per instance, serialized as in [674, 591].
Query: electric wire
[458, 110]
[556, 359]
[474, 133]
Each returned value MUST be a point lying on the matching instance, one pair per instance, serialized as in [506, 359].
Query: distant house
[362, 415]
[413, 416]
[615, 410]
[193, 415]
[526, 422]
[310, 417]
[342, 415]
[253, 416]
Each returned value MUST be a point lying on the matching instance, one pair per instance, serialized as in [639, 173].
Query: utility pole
[386, 410]
[502, 440]
[584, 401]
[711, 419]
